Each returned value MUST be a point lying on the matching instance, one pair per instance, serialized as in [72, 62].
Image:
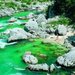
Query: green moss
[12, 55]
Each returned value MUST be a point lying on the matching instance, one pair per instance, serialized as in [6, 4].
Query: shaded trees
[66, 7]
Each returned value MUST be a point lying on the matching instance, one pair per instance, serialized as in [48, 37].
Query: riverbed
[11, 62]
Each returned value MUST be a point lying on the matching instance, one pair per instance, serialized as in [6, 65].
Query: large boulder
[18, 34]
[32, 24]
[61, 30]
[68, 59]
[28, 58]
[39, 67]
[41, 18]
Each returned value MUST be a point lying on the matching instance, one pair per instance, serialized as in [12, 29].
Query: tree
[66, 7]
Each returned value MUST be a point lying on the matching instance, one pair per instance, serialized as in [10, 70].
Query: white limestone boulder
[28, 58]
[62, 29]
[67, 59]
[52, 67]
[32, 24]
[41, 18]
[17, 34]
[39, 67]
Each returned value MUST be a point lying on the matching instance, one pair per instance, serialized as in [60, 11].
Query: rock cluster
[37, 26]
[33, 63]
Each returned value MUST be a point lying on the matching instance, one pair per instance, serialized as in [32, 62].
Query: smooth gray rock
[62, 30]
[28, 58]
[39, 67]
[18, 34]
[67, 59]
[32, 24]
[41, 18]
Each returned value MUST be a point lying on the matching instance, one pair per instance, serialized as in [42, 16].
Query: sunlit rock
[41, 18]
[52, 67]
[32, 24]
[67, 59]
[38, 67]
[17, 34]
[28, 58]
[61, 30]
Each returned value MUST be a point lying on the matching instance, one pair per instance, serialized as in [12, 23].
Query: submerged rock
[38, 67]
[48, 74]
[43, 56]
[12, 19]
[67, 59]
[28, 58]
[28, 53]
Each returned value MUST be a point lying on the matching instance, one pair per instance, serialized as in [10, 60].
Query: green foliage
[11, 4]
[62, 20]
